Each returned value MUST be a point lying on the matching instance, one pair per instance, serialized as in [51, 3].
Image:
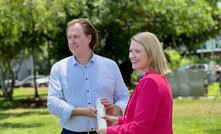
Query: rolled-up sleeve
[121, 91]
[56, 102]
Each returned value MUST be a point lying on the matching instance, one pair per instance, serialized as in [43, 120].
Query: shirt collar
[93, 59]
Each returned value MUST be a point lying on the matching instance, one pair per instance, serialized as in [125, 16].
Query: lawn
[190, 115]
[25, 117]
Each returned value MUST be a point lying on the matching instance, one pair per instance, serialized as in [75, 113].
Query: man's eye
[76, 36]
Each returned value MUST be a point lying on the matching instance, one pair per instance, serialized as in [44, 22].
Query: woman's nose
[131, 55]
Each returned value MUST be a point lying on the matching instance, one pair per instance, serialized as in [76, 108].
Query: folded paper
[100, 113]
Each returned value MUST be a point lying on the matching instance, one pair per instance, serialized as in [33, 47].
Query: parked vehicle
[7, 83]
[41, 81]
[197, 66]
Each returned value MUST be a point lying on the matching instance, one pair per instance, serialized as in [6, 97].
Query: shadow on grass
[216, 131]
[22, 114]
[40, 102]
[20, 125]
[28, 96]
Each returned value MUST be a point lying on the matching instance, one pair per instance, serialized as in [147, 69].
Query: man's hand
[110, 108]
[86, 111]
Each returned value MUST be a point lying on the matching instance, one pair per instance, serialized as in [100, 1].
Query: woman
[149, 110]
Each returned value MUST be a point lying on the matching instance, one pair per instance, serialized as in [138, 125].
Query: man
[76, 82]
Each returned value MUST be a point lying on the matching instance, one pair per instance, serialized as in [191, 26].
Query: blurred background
[33, 37]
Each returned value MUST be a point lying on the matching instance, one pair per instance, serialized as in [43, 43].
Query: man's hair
[88, 28]
[156, 57]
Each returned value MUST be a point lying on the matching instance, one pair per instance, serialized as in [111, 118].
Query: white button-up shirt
[74, 85]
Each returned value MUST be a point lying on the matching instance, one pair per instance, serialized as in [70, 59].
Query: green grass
[201, 116]
[198, 116]
[28, 121]
[190, 116]
[17, 120]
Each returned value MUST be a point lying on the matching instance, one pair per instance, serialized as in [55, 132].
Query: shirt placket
[88, 92]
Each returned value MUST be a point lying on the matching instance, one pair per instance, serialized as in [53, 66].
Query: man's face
[78, 42]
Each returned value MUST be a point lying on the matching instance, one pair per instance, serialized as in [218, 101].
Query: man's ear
[89, 38]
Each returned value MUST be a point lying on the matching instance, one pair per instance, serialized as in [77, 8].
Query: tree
[176, 23]
[9, 38]
[26, 26]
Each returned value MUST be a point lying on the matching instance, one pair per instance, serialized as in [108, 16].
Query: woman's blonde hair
[156, 57]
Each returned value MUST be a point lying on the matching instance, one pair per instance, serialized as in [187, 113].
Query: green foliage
[134, 78]
[175, 59]
[181, 22]
[27, 27]
[176, 23]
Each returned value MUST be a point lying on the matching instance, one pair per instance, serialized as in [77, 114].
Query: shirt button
[89, 103]
[86, 78]
[87, 91]
[92, 129]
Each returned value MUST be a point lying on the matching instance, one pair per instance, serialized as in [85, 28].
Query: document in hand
[100, 113]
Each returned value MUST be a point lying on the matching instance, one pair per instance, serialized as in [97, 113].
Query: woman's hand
[111, 120]
[102, 131]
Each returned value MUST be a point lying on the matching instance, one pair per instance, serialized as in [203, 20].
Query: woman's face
[138, 57]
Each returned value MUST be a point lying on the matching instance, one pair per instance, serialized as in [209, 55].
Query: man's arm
[86, 111]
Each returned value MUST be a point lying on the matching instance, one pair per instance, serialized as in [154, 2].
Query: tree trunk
[34, 73]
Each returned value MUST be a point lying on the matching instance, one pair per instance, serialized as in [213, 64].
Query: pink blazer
[149, 110]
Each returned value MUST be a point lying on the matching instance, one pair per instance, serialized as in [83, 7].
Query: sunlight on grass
[28, 121]
[190, 115]
[213, 89]
[198, 116]
[29, 92]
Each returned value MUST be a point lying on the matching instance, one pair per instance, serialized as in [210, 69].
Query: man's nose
[72, 40]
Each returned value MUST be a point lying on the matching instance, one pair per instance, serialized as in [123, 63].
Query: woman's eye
[137, 51]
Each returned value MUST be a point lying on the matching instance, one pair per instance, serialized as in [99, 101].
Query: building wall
[26, 69]
[210, 47]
